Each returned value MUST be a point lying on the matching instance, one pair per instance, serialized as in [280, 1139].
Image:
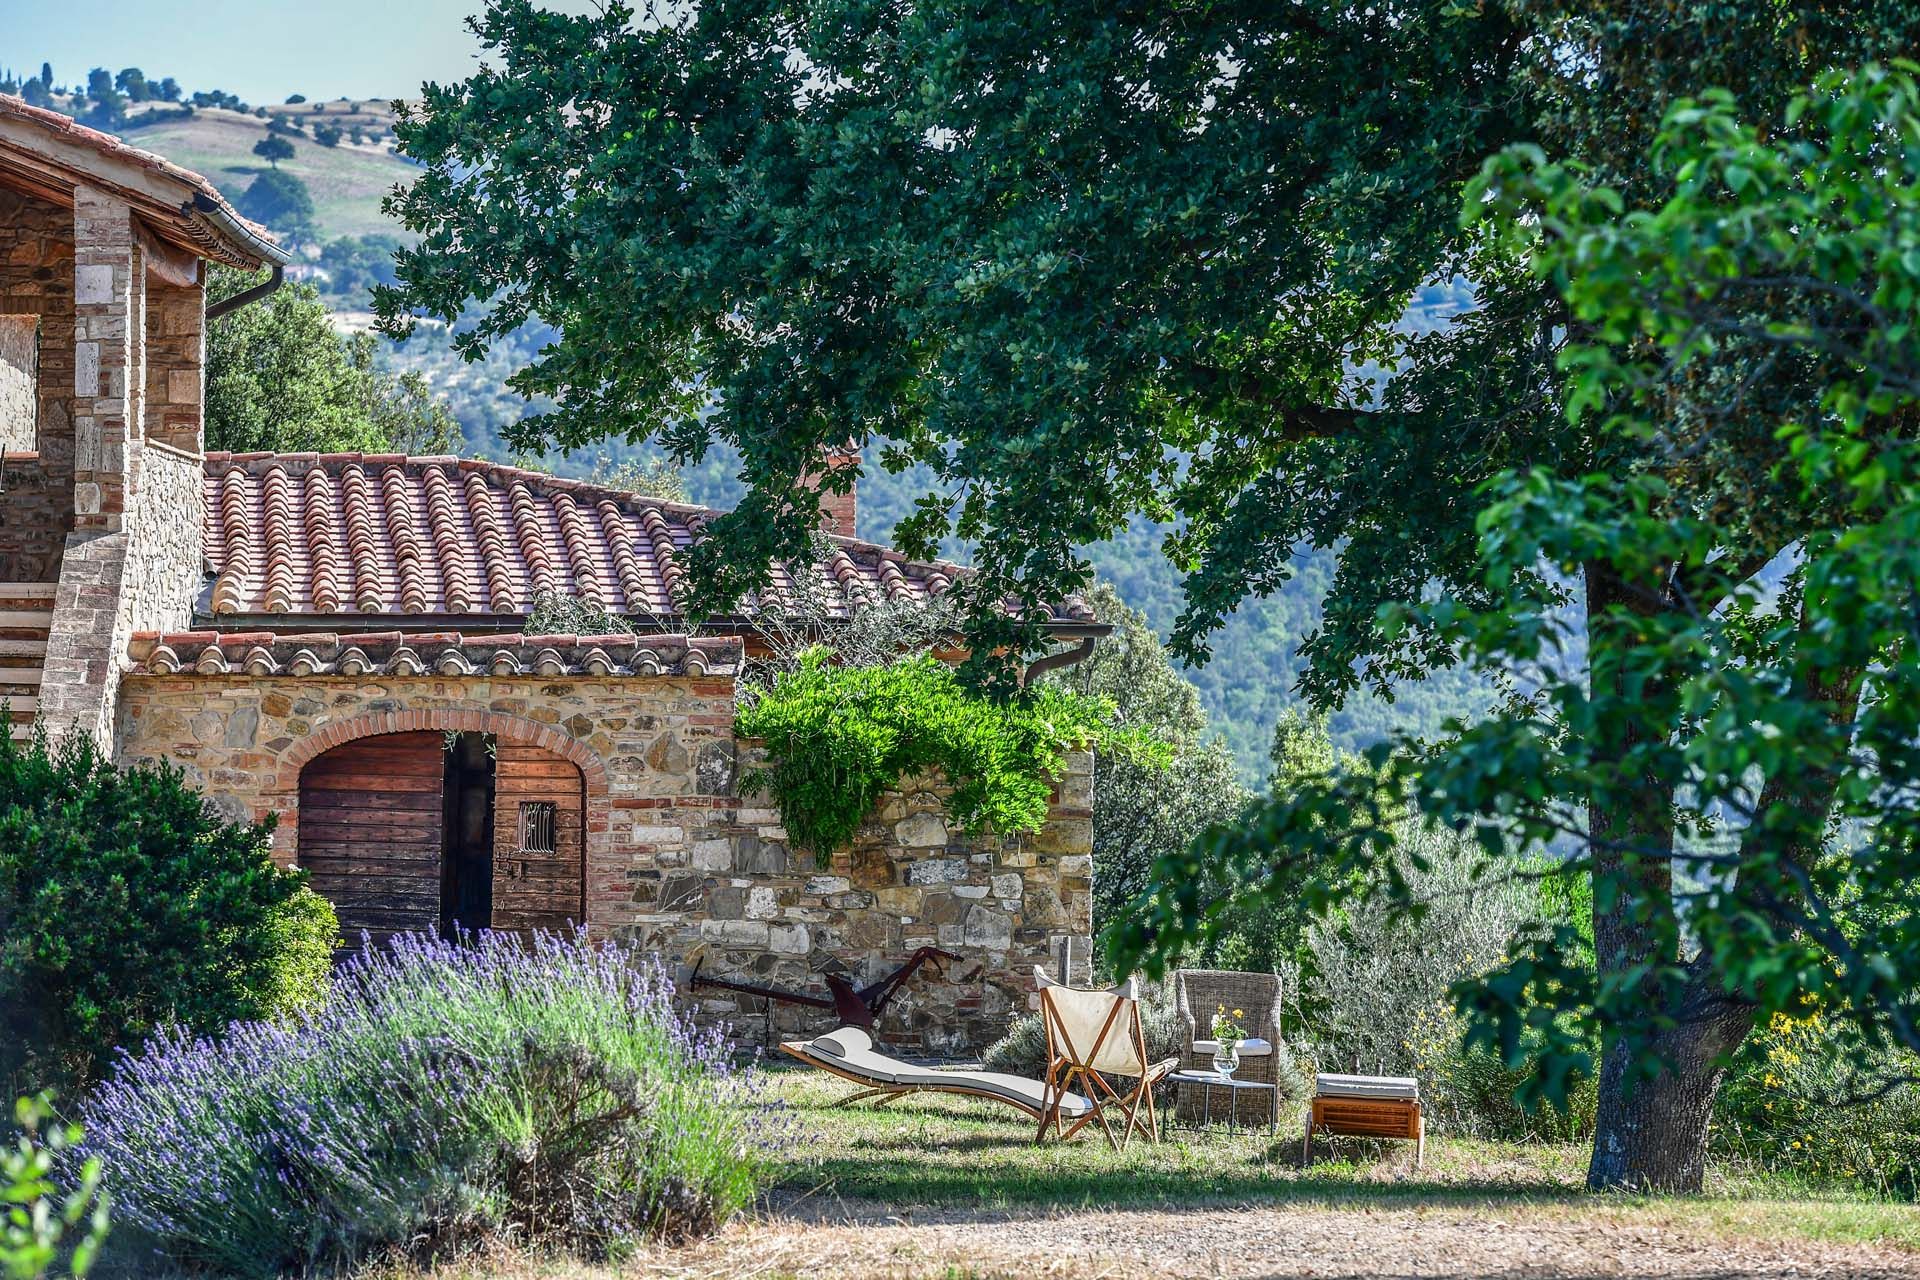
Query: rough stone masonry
[677, 858]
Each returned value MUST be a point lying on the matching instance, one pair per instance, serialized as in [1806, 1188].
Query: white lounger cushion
[1335, 1086]
[1250, 1048]
[851, 1049]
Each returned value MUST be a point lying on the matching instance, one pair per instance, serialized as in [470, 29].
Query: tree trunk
[1651, 1134]
[1651, 1131]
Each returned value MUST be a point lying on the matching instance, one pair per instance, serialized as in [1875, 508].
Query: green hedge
[127, 904]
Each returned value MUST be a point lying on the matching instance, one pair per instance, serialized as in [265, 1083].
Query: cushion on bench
[852, 1048]
[1380, 1087]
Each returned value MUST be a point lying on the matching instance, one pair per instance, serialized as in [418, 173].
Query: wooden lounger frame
[1366, 1118]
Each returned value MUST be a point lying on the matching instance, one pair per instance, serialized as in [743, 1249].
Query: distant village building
[338, 641]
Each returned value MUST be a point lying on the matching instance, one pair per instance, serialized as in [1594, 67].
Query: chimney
[837, 510]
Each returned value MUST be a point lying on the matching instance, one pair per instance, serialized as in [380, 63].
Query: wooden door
[371, 832]
[539, 840]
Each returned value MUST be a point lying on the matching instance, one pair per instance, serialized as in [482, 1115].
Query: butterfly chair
[1091, 1035]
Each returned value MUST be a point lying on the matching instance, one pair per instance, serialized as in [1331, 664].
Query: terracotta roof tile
[298, 536]
[446, 653]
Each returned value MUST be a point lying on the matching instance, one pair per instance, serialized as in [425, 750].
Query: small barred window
[536, 826]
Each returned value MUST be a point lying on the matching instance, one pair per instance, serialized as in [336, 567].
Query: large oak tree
[1086, 259]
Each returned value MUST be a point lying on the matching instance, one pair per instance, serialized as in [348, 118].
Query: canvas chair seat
[848, 1052]
[1092, 1035]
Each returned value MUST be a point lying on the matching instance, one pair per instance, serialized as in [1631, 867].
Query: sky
[261, 50]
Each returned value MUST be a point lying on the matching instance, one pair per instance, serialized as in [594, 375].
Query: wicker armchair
[1198, 995]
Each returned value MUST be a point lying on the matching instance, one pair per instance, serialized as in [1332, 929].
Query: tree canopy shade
[1084, 260]
[1048, 257]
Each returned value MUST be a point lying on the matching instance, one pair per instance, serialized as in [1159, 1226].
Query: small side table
[1208, 1081]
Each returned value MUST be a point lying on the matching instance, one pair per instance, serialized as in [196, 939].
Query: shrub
[1469, 1092]
[43, 1230]
[542, 1090]
[127, 903]
[1379, 986]
[1804, 1103]
[840, 736]
[555, 614]
[276, 198]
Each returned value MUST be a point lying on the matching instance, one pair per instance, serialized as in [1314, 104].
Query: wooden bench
[1366, 1107]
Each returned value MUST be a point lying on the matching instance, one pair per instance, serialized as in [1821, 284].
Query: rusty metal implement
[854, 1007]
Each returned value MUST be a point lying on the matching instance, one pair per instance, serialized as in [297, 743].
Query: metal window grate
[536, 826]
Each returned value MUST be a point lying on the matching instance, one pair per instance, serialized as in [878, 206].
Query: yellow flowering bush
[1470, 1093]
[1796, 1104]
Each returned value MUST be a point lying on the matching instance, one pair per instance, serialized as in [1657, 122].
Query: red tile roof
[314, 535]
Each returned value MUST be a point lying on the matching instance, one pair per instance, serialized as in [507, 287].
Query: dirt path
[1256, 1242]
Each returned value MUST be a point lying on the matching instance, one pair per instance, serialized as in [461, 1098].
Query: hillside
[346, 181]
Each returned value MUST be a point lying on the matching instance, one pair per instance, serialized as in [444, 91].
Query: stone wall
[176, 364]
[142, 577]
[676, 858]
[133, 559]
[910, 880]
[109, 358]
[36, 278]
[166, 544]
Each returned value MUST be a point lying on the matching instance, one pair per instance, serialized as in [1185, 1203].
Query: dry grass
[952, 1189]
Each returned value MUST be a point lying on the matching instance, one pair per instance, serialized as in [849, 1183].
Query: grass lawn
[934, 1152]
[955, 1189]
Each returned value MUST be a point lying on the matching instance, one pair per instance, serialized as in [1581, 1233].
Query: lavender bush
[544, 1090]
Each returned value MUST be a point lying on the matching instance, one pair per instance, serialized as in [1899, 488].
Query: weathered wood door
[539, 840]
[371, 832]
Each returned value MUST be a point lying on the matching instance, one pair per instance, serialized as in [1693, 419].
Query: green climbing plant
[838, 737]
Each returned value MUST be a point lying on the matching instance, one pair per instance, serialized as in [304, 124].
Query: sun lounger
[849, 1053]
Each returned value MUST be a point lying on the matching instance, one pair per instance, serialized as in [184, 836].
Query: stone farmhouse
[339, 642]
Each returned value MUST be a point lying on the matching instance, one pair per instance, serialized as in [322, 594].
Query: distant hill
[346, 181]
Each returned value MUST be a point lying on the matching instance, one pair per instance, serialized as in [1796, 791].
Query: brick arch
[512, 728]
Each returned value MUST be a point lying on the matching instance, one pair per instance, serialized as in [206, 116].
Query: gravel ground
[848, 1245]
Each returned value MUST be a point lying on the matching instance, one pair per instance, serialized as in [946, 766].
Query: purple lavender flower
[544, 1087]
